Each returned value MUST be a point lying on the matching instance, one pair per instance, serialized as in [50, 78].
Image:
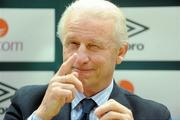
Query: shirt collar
[100, 98]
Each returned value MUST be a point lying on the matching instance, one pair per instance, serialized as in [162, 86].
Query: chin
[85, 81]
[83, 77]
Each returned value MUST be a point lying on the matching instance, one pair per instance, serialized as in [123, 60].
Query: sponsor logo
[3, 27]
[6, 92]
[3, 110]
[134, 29]
[7, 45]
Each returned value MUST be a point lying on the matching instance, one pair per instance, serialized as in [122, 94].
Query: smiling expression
[96, 50]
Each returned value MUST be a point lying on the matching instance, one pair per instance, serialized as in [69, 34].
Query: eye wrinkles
[93, 45]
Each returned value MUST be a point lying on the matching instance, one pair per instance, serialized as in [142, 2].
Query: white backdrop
[155, 37]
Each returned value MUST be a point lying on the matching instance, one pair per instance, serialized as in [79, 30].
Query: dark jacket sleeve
[144, 109]
[25, 101]
[141, 108]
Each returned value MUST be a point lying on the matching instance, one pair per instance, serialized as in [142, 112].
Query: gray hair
[98, 8]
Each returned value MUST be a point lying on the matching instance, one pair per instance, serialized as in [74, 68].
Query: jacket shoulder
[144, 108]
[30, 94]
[30, 91]
[26, 100]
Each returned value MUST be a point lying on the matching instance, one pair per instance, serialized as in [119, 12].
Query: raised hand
[61, 90]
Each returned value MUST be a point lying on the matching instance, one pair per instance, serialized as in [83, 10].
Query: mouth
[82, 70]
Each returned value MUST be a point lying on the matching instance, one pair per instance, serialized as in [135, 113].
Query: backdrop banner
[27, 35]
[153, 33]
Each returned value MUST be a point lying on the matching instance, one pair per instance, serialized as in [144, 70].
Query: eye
[93, 46]
[74, 44]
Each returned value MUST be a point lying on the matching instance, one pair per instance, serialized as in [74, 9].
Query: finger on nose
[67, 65]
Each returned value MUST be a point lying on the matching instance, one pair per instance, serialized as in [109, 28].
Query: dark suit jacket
[27, 100]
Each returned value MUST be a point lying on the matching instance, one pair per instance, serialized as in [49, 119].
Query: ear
[121, 53]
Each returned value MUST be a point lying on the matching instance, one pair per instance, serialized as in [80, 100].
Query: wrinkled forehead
[87, 21]
[99, 12]
[92, 26]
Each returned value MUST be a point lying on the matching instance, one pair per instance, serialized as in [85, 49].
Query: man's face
[92, 40]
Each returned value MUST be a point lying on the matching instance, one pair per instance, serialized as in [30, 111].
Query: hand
[113, 110]
[61, 90]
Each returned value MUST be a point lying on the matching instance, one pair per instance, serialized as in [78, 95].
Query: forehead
[88, 26]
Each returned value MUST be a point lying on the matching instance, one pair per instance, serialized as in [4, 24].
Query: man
[94, 38]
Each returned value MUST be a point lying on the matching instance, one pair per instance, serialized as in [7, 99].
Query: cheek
[108, 61]
[106, 56]
[100, 60]
[105, 65]
[66, 54]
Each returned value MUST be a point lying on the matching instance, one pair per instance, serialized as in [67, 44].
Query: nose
[82, 55]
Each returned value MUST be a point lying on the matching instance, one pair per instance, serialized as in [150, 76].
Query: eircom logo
[8, 45]
[3, 27]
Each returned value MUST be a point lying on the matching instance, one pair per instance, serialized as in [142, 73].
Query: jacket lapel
[119, 95]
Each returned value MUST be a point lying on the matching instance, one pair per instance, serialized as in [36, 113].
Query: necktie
[87, 106]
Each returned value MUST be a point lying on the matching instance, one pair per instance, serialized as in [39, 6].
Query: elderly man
[94, 38]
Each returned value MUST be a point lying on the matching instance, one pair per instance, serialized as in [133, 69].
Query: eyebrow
[96, 41]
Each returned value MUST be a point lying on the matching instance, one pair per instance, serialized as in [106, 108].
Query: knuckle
[129, 115]
[53, 84]
[69, 93]
[129, 112]
[107, 116]
[110, 113]
[54, 90]
[70, 76]
[112, 103]
[67, 77]
[72, 87]
[53, 93]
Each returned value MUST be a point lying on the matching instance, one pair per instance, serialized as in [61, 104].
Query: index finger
[72, 79]
[67, 65]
